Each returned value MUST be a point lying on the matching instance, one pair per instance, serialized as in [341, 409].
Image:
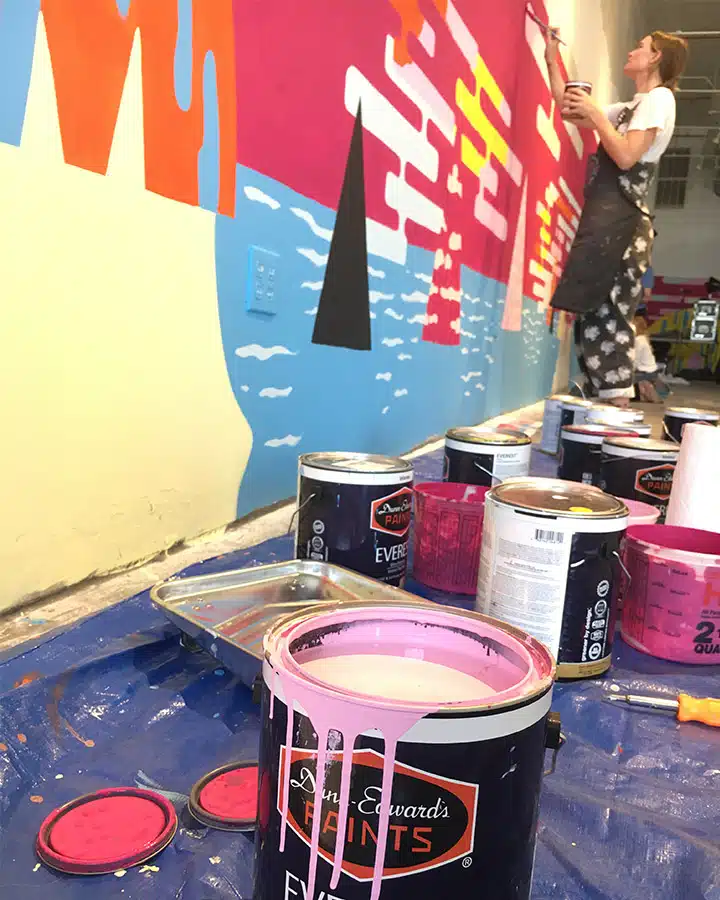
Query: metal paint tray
[228, 613]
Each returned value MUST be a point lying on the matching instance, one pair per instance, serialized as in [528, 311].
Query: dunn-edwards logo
[656, 481]
[391, 514]
[432, 819]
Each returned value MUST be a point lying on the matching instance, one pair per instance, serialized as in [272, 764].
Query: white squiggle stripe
[244, 388]
[290, 440]
[464, 351]
[421, 276]
[402, 392]
[276, 392]
[392, 342]
[383, 376]
[385, 410]
[375, 296]
[415, 297]
[312, 285]
[467, 333]
[393, 315]
[317, 259]
[317, 230]
[404, 356]
[258, 196]
[423, 319]
[470, 375]
[262, 353]
[476, 318]
[376, 273]
[311, 312]
[414, 340]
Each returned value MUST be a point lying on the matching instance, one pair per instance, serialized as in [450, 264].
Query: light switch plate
[261, 296]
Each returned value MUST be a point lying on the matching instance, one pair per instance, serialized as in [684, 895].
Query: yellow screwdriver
[687, 708]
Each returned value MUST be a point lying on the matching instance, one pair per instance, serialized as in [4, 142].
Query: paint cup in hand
[581, 85]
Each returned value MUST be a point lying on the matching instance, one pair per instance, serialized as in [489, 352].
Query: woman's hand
[552, 45]
[580, 107]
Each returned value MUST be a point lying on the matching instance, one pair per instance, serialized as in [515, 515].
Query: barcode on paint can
[549, 537]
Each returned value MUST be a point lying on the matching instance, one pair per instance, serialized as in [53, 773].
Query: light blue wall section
[300, 397]
[18, 20]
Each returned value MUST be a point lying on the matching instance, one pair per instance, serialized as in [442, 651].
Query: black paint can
[581, 452]
[354, 510]
[639, 469]
[550, 564]
[409, 799]
[677, 417]
[477, 456]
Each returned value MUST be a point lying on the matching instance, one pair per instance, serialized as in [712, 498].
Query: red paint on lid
[232, 795]
[112, 829]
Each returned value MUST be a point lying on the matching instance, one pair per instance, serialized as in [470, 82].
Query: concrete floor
[32, 622]
[58, 611]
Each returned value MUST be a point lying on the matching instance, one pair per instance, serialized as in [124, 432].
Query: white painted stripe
[368, 478]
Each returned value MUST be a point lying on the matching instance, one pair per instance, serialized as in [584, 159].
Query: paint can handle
[487, 472]
[554, 739]
[580, 388]
[667, 434]
[297, 510]
[622, 566]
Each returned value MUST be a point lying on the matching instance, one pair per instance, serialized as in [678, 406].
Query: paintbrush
[545, 28]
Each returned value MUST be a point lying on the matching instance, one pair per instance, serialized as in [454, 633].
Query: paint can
[585, 86]
[550, 564]
[552, 421]
[677, 417]
[672, 601]
[432, 778]
[476, 456]
[574, 410]
[640, 469]
[581, 452]
[354, 510]
[606, 414]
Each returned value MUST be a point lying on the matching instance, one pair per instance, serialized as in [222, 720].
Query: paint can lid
[585, 85]
[688, 412]
[100, 833]
[553, 496]
[486, 437]
[642, 448]
[640, 429]
[614, 413]
[226, 798]
[357, 463]
[569, 400]
[584, 434]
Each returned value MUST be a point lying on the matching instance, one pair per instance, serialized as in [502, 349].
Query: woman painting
[602, 281]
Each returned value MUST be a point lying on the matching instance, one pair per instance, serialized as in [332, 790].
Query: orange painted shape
[412, 20]
[3, 748]
[22, 738]
[90, 45]
[36, 798]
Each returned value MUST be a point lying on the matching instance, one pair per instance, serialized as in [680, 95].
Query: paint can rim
[211, 819]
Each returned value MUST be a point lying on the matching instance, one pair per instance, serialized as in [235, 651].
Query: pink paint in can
[671, 606]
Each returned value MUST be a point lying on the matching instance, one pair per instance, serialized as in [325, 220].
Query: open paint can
[581, 451]
[550, 564]
[606, 414]
[354, 510]
[677, 417]
[478, 456]
[672, 601]
[640, 469]
[401, 754]
[447, 534]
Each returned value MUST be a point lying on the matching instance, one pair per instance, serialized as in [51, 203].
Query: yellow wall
[109, 339]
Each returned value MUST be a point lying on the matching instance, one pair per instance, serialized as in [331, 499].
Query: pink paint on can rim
[671, 606]
[641, 513]
[527, 669]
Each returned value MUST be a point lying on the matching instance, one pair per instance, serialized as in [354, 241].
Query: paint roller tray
[228, 613]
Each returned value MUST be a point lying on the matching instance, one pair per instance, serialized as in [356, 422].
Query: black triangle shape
[343, 316]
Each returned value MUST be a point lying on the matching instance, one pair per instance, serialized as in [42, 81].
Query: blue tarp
[632, 811]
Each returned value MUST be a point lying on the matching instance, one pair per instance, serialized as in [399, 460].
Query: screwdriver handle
[695, 709]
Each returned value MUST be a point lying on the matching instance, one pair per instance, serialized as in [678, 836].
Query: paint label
[540, 574]
[655, 481]
[392, 514]
[432, 819]
[551, 426]
[487, 466]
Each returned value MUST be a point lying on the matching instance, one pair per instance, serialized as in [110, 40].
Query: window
[673, 179]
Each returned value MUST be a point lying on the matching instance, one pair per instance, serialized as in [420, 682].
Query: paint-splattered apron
[602, 281]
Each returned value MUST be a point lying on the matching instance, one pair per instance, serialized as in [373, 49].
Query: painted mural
[280, 227]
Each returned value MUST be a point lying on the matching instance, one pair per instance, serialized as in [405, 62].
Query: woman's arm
[625, 150]
[557, 82]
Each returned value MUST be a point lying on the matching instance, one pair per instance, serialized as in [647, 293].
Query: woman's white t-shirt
[656, 109]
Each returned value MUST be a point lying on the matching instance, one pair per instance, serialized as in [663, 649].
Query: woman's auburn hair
[673, 52]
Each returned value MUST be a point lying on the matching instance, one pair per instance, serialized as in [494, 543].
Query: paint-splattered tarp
[633, 810]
